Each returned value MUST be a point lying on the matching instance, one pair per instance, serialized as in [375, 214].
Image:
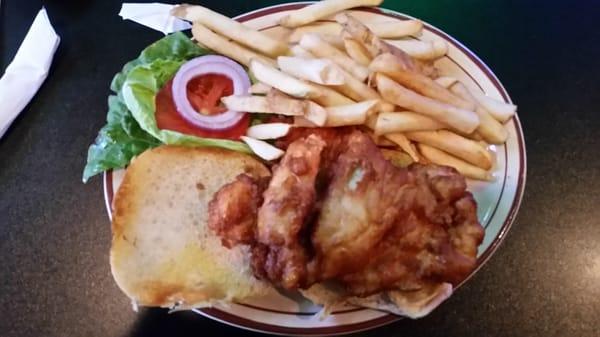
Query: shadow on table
[156, 322]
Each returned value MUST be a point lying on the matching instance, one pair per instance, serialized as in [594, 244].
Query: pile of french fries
[335, 70]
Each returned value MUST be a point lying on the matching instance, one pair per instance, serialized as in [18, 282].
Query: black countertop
[543, 281]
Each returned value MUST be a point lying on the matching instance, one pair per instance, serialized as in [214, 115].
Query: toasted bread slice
[163, 253]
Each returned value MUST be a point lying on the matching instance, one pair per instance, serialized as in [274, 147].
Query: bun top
[163, 253]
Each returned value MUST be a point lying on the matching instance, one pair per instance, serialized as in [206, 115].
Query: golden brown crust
[233, 209]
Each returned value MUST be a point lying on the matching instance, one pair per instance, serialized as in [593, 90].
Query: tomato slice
[204, 96]
[205, 92]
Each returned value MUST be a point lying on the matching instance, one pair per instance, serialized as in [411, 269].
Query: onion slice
[268, 130]
[263, 149]
[209, 64]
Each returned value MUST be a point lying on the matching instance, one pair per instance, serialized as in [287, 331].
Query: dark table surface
[543, 281]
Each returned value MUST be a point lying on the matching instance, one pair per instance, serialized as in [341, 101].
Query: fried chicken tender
[334, 138]
[288, 203]
[233, 210]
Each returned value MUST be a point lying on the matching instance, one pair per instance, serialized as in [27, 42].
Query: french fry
[275, 93]
[298, 51]
[426, 68]
[259, 88]
[327, 28]
[404, 144]
[384, 30]
[282, 81]
[358, 90]
[391, 122]
[463, 120]
[321, 71]
[446, 81]
[316, 114]
[501, 111]
[303, 122]
[371, 121]
[440, 157]
[385, 106]
[262, 149]
[423, 50]
[395, 29]
[278, 33]
[380, 141]
[230, 28]
[354, 114]
[268, 130]
[489, 128]
[280, 103]
[352, 88]
[329, 97]
[362, 34]
[315, 45]
[321, 10]
[377, 46]
[222, 45]
[397, 158]
[461, 147]
[356, 51]
[262, 104]
[389, 65]
[476, 136]
[334, 40]
[384, 142]
[268, 104]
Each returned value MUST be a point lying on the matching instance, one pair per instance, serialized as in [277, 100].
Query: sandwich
[334, 219]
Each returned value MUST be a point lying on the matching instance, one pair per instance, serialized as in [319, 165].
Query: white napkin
[154, 15]
[28, 70]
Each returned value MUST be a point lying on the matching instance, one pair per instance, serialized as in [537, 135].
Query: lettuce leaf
[118, 141]
[177, 47]
[139, 90]
[125, 135]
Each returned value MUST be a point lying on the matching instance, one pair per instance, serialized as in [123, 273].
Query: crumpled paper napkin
[154, 15]
[28, 70]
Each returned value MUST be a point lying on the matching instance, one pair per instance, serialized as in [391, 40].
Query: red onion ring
[209, 64]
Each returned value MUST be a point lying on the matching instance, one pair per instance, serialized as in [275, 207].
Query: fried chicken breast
[359, 207]
[383, 227]
[433, 240]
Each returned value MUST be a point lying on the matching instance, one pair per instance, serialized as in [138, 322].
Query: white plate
[498, 202]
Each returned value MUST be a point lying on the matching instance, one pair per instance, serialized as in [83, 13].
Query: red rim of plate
[245, 323]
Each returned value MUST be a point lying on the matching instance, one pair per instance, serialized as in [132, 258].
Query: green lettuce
[118, 141]
[177, 47]
[131, 126]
